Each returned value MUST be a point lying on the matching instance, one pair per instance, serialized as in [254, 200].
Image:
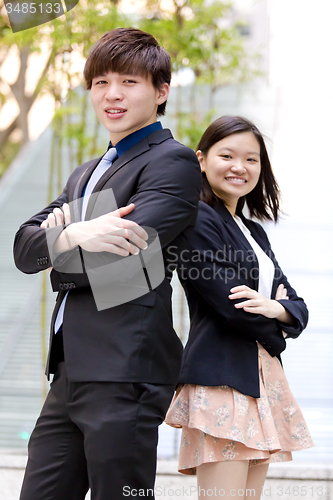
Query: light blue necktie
[101, 168]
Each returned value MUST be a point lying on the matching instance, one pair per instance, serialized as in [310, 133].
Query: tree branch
[43, 75]
[4, 134]
[18, 88]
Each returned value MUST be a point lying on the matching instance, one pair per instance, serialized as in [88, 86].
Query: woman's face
[232, 166]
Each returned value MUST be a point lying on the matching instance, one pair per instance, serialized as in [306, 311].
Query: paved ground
[309, 482]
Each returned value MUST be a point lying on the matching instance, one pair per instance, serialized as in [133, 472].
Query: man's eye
[100, 82]
[130, 81]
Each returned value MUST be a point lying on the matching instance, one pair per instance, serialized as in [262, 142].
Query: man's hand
[58, 217]
[258, 304]
[107, 233]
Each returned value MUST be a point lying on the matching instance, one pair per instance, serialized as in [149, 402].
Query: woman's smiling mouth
[238, 180]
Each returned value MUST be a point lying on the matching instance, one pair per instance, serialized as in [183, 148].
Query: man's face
[125, 103]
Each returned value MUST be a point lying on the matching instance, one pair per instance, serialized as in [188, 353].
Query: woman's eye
[252, 159]
[226, 157]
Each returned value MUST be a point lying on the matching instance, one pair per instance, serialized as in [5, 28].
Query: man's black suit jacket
[133, 342]
[222, 346]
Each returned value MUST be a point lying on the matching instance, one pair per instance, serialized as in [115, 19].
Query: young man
[114, 368]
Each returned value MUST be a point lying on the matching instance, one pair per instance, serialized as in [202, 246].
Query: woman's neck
[231, 205]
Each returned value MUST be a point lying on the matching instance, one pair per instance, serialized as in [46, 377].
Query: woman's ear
[201, 159]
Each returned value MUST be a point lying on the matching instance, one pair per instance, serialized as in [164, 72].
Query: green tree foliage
[198, 35]
[74, 32]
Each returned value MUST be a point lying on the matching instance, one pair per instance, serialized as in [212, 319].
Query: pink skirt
[221, 424]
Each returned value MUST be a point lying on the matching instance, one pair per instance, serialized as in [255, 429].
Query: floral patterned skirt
[221, 424]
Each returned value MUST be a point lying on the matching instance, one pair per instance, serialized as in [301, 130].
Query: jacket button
[61, 286]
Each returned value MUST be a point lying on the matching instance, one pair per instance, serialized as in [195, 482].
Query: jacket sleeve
[166, 198]
[167, 195]
[33, 245]
[31, 252]
[213, 274]
[295, 304]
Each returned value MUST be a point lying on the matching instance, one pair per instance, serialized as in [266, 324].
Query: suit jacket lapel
[237, 236]
[137, 150]
[78, 190]
[263, 244]
[257, 236]
[222, 210]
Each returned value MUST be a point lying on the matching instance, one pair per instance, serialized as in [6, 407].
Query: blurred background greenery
[202, 37]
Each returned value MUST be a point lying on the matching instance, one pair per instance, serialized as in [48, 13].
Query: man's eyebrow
[123, 73]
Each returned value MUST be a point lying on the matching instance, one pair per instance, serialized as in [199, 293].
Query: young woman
[233, 402]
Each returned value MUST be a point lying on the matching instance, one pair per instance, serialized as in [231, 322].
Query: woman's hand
[281, 293]
[258, 304]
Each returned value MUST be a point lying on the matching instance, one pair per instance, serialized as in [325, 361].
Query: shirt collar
[130, 140]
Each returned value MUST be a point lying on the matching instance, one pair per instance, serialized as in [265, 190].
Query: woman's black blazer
[222, 346]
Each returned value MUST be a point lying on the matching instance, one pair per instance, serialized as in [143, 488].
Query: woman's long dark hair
[264, 200]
